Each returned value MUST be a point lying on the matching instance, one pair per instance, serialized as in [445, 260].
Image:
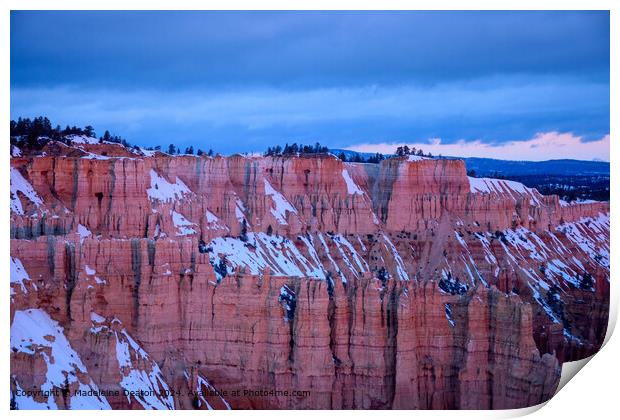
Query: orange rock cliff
[191, 282]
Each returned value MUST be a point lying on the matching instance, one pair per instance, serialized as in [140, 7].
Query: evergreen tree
[244, 231]
[220, 268]
[586, 282]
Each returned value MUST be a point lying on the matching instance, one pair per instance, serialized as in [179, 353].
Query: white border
[592, 395]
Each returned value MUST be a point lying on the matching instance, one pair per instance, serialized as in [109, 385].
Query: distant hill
[487, 167]
[566, 167]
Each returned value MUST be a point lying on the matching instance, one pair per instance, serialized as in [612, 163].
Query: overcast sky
[527, 85]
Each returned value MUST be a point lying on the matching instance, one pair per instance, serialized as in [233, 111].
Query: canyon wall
[325, 284]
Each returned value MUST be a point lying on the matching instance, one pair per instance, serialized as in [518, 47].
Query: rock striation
[193, 282]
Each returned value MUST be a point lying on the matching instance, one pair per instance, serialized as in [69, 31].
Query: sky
[509, 85]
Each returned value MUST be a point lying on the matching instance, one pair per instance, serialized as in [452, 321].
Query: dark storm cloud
[312, 49]
[241, 81]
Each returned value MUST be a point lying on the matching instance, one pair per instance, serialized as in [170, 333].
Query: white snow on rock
[82, 139]
[448, 310]
[352, 187]
[163, 190]
[329, 257]
[502, 186]
[400, 265]
[239, 210]
[211, 218]
[558, 268]
[184, 226]
[18, 275]
[141, 377]
[549, 264]
[591, 235]
[460, 239]
[347, 250]
[95, 156]
[89, 271]
[95, 317]
[146, 152]
[33, 332]
[416, 158]
[280, 203]
[262, 251]
[564, 203]
[19, 184]
[469, 256]
[309, 244]
[214, 222]
[202, 383]
[15, 151]
[521, 237]
[489, 257]
[83, 232]
[203, 389]
[26, 402]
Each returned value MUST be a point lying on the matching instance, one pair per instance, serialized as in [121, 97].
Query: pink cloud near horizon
[543, 146]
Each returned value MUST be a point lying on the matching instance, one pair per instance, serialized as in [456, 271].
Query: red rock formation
[400, 285]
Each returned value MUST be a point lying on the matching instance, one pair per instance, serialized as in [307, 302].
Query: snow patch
[400, 265]
[140, 375]
[163, 190]
[33, 332]
[448, 309]
[204, 388]
[18, 275]
[261, 251]
[94, 317]
[502, 186]
[19, 184]
[239, 210]
[82, 139]
[83, 232]
[416, 158]
[352, 187]
[281, 204]
[214, 222]
[184, 226]
[591, 235]
[211, 218]
[146, 152]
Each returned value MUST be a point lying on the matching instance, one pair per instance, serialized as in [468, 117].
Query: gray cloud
[239, 80]
[301, 49]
